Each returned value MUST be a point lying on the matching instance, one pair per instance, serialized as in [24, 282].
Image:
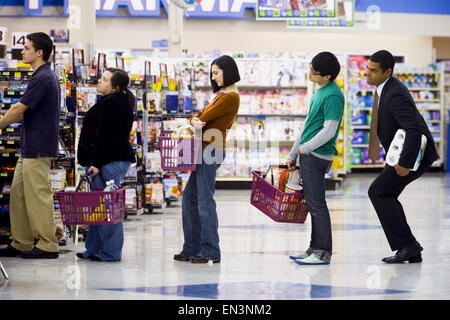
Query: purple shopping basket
[178, 153]
[277, 205]
[92, 208]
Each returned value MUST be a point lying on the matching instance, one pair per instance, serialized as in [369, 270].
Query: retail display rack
[275, 96]
[446, 67]
[427, 89]
[12, 86]
[13, 83]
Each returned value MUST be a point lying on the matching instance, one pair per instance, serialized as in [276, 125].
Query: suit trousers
[383, 193]
[31, 206]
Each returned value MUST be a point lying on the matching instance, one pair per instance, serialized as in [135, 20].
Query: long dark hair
[121, 80]
[230, 72]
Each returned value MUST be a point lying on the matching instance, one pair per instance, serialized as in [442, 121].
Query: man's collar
[44, 66]
[381, 86]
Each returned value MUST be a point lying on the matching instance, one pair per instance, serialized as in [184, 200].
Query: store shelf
[359, 145]
[424, 89]
[429, 102]
[272, 115]
[234, 179]
[359, 166]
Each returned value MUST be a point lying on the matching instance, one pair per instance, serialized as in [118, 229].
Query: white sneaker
[304, 255]
[312, 260]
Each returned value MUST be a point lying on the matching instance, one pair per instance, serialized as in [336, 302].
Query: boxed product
[359, 137]
[130, 199]
[154, 193]
[359, 118]
[57, 179]
[356, 156]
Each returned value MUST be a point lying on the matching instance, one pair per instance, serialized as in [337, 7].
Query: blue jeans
[199, 215]
[313, 170]
[106, 241]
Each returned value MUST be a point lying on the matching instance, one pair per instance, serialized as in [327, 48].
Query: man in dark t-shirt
[31, 201]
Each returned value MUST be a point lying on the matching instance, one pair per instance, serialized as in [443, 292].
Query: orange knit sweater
[219, 114]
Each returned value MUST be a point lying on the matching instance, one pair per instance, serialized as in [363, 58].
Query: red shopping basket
[178, 153]
[277, 205]
[92, 208]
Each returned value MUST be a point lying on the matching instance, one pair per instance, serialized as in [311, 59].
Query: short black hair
[42, 41]
[384, 58]
[230, 71]
[327, 64]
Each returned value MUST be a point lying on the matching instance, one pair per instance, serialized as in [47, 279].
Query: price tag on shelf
[3, 35]
[18, 40]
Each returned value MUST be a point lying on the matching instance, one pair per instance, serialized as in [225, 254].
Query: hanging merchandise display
[344, 17]
[294, 9]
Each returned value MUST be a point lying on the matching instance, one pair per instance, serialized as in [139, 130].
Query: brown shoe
[179, 257]
[199, 259]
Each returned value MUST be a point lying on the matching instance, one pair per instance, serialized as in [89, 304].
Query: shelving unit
[13, 84]
[262, 111]
[427, 89]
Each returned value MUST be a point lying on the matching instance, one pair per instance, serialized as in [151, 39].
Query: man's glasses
[314, 73]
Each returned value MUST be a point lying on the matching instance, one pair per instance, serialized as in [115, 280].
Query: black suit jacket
[397, 110]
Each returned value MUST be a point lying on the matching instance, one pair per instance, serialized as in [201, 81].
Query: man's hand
[290, 164]
[93, 170]
[13, 115]
[401, 171]
[300, 150]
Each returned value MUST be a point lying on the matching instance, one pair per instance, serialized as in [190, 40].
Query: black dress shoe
[179, 257]
[415, 259]
[37, 253]
[200, 259]
[410, 253]
[9, 251]
[81, 256]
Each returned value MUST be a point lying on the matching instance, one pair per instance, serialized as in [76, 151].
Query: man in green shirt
[316, 147]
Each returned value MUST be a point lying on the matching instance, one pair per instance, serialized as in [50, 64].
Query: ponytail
[131, 98]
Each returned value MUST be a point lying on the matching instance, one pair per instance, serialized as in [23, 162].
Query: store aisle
[255, 250]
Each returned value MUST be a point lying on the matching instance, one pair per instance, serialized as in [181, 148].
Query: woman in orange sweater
[199, 215]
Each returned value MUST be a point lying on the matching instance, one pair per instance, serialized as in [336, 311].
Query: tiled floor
[255, 250]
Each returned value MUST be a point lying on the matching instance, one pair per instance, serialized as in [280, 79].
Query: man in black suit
[394, 109]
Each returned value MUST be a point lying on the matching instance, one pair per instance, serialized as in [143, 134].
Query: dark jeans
[106, 241]
[384, 192]
[199, 215]
[313, 170]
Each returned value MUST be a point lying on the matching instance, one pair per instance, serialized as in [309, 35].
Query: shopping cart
[178, 153]
[93, 207]
[3, 271]
[278, 205]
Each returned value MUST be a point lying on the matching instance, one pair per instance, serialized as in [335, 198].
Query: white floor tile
[255, 251]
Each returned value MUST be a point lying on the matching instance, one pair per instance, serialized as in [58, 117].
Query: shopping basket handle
[88, 179]
[282, 166]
